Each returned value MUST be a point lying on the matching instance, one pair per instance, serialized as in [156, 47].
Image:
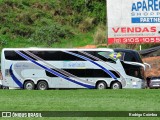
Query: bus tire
[29, 85]
[6, 88]
[42, 85]
[116, 85]
[101, 85]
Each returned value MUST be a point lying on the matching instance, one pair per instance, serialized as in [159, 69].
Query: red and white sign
[133, 40]
[132, 22]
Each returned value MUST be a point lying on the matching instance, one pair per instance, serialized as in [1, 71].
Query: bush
[86, 24]
[100, 35]
[3, 41]
[22, 30]
[51, 34]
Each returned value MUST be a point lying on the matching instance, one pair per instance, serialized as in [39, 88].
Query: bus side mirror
[147, 66]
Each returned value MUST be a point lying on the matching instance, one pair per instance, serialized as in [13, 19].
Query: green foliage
[145, 46]
[125, 46]
[93, 8]
[100, 35]
[3, 41]
[97, 9]
[49, 22]
[51, 34]
[22, 31]
[86, 25]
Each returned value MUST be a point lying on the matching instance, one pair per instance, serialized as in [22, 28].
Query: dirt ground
[155, 66]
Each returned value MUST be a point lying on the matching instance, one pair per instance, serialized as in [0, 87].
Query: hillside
[51, 23]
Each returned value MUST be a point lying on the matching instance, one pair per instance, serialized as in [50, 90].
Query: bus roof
[55, 49]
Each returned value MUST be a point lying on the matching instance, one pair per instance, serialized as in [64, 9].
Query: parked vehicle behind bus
[153, 82]
[38, 68]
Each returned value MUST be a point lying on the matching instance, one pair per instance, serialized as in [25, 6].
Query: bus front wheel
[29, 85]
[116, 85]
[42, 85]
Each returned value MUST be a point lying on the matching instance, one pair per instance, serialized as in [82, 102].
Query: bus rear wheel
[116, 85]
[42, 85]
[101, 85]
[29, 85]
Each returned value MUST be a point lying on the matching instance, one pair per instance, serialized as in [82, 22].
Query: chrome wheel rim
[116, 86]
[42, 86]
[29, 86]
[101, 86]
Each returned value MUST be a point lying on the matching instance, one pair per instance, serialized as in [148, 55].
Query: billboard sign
[133, 21]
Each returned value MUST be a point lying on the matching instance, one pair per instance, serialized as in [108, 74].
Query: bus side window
[12, 55]
[122, 56]
[129, 57]
[103, 55]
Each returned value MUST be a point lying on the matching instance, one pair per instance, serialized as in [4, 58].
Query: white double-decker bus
[39, 68]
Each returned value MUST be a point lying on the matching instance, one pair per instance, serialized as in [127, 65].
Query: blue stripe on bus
[52, 71]
[85, 58]
[14, 78]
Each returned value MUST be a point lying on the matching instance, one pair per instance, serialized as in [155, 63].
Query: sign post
[133, 21]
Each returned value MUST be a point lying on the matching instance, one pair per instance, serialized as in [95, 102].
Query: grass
[80, 100]
[77, 41]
